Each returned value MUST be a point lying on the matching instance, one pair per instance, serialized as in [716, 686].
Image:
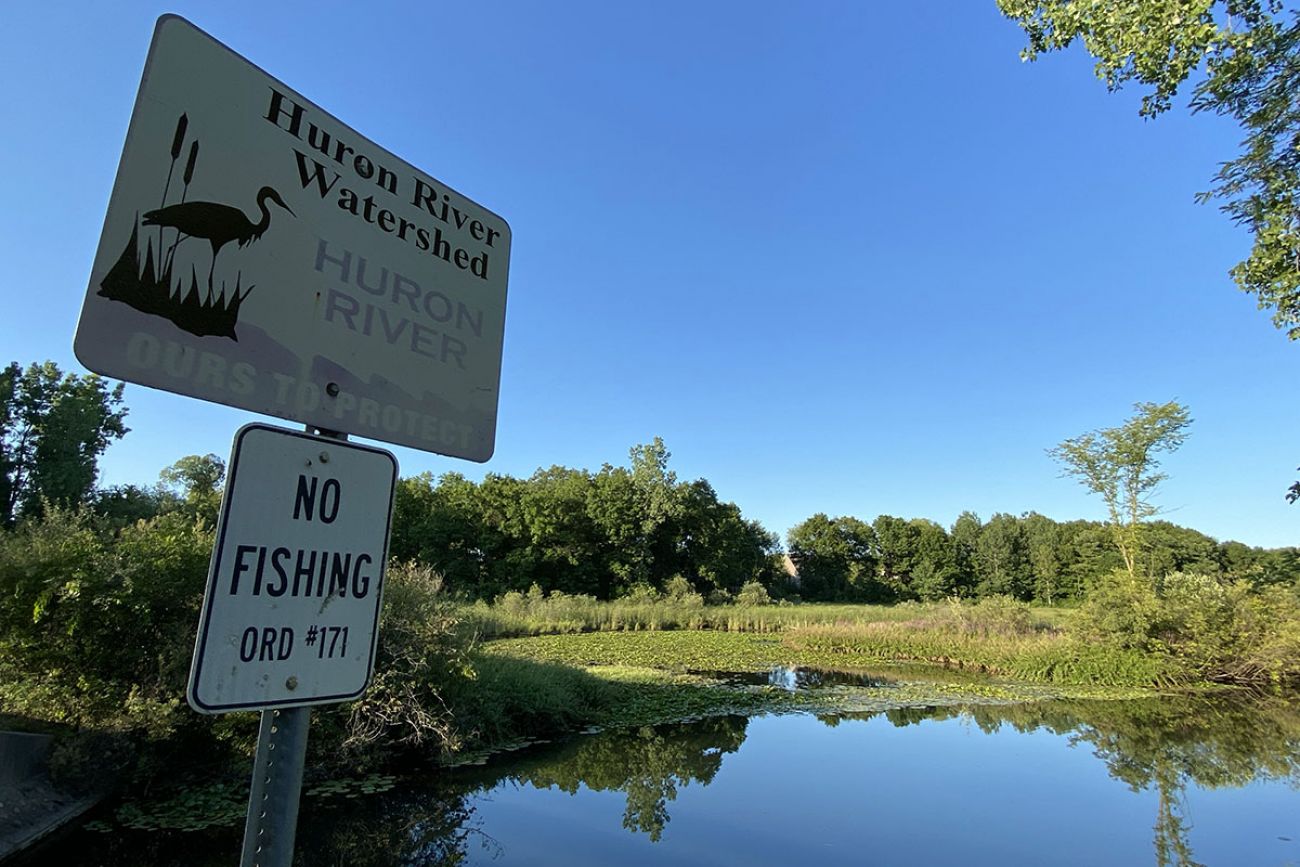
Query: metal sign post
[277, 787]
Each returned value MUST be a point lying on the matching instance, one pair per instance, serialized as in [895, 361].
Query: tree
[1121, 465]
[718, 549]
[53, 428]
[935, 575]
[965, 536]
[896, 541]
[1002, 562]
[199, 478]
[836, 559]
[1043, 537]
[1247, 55]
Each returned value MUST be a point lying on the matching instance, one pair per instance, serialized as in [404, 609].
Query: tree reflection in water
[424, 827]
[1165, 744]
[436, 825]
[648, 764]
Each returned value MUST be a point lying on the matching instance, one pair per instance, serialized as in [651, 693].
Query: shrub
[1232, 631]
[679, 590]
[990, 616]
[753, 593]
[641, 594]
[95, 627]
[421, 655]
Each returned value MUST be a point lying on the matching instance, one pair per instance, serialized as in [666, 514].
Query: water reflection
[794, 677]
[648, 765]
[1162, 745]
[1165, 747]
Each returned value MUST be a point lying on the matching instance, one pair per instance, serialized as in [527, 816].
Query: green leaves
[580, 532]
[53, 428]
[1120, 465]
[1248, 57]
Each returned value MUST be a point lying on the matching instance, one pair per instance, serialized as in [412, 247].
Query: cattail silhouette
[186, 177]
[178, 141]
[189, 168]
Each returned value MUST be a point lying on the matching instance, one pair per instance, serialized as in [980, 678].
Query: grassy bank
[708, 657]
[548, 686]
[1042, 658]
[998, 637]
[523, 614]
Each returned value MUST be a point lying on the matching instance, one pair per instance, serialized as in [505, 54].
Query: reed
[536, 613]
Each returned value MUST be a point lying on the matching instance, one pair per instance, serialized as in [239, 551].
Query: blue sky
[842, 257]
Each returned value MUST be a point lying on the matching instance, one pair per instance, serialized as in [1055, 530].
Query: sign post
[273, 797]
[260, 253]
[291, 608]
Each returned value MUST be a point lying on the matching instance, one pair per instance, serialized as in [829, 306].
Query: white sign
[258, 252]
[291, 610]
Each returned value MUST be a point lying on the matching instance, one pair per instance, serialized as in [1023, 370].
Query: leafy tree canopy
[1244, 56]
[1121, 465]
[53, 428]
[199, 479]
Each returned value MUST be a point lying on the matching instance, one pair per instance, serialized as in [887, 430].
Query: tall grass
[995, 636]
[523, 614]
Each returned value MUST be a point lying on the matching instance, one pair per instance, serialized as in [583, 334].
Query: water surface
[1158, 781]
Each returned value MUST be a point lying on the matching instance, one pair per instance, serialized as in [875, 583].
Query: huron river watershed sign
[291, 609]
[260, 253]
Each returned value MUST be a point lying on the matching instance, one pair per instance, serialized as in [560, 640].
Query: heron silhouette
[219, 224]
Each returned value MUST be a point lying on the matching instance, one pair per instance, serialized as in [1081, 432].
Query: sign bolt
[332, 389]
[291, 683]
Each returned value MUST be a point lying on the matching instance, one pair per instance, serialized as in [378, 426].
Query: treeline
[1029, 557]
[600, 534]
[621, 529]
[606, 533]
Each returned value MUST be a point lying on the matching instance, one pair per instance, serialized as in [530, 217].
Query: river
[1172, 780]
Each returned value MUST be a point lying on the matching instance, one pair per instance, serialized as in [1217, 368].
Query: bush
[753, 593]
[421, 655]
[96, 627]
[679, 590]
[990, 616]
[641, 594]
[1232, 632]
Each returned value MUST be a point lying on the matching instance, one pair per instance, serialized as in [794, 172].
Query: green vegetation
[1120, 465]
[53, 428]
[598, 534]
[1030, 656]
[1244, 56]
[1226, 633]
[998, 637]
[538, 613]
[570, 600]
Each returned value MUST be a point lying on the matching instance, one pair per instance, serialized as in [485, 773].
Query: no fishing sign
[291, 610]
